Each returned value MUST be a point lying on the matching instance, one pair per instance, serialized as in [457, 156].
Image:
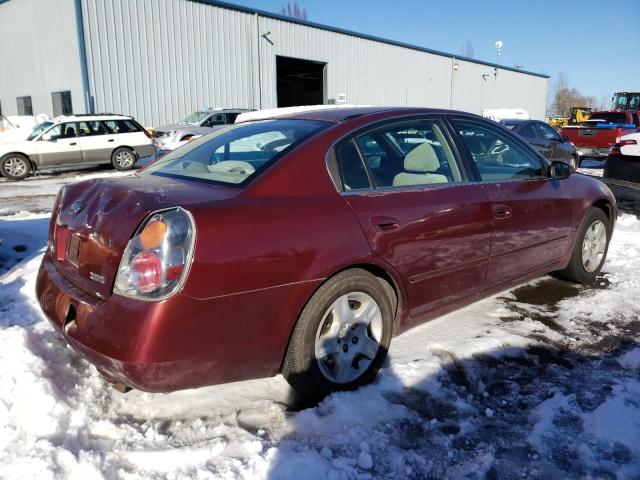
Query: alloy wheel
[124, 159]
[15, 166]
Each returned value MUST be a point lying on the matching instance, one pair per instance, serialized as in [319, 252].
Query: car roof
[227, 110]
[90, 117]
[342, 114]
[516, 121]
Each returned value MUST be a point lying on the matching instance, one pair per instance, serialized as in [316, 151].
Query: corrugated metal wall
[38, 54]
[159, 60]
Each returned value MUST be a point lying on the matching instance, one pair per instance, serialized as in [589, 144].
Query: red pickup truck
[594, 137]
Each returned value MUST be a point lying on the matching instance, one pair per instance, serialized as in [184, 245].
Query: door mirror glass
[47, 137]
[560, 170]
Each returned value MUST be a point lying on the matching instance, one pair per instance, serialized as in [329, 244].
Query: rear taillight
[156, 261]
[61, 237]
[627, 142]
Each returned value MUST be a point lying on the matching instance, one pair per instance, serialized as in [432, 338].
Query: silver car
[199, 123]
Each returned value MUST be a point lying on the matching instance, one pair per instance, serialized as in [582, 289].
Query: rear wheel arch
[390, 282]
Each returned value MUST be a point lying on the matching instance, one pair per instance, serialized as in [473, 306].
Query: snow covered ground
[539, 382]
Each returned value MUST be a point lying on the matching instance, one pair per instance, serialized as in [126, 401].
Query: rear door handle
[110, 140]
[502, 212]
[385, 224]
[73, 143]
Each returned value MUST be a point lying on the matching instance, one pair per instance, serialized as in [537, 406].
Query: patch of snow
[631, 359]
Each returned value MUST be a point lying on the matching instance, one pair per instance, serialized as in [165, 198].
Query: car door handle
[110, 140]
[385, 224]
[73, 143]
[502, 212]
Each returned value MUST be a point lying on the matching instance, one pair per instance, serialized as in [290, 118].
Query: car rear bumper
[170, 345]
[593, 152]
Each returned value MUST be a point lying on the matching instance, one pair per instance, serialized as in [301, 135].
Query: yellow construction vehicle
[577, 115]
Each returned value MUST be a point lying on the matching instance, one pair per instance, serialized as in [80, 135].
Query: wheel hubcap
[593, 246]
[15, 166]
[124, 159]
[348, 337]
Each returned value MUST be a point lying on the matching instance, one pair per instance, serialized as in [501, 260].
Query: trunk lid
[97, 218]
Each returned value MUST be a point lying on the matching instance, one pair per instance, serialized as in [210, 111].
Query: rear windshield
[609, 117]
[236, 154]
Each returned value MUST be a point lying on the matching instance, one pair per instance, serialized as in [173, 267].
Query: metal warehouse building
[159, 60]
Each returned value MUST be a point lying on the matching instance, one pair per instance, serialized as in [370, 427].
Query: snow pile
[512, 386]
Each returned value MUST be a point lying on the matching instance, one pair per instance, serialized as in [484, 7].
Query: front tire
[15, 166]
[342, 336]
[590, 249]
[123, 159]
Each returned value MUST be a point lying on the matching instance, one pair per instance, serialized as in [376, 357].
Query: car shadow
[535, 412]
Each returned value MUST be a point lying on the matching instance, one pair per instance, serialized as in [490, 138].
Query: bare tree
[294, 11]
[467, 49]
[565, 97]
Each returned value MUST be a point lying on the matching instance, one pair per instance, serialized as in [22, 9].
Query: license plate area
[588, 132]
[73, 250]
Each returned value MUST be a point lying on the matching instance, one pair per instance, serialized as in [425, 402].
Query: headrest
[421, 159]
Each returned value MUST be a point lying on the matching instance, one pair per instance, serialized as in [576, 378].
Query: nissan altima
[303, 243]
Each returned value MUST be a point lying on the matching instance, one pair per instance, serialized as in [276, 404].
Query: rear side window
[236, 154]
[88, 129]
[497, 155]
[122, 126]
[353, 174]
[412, 153]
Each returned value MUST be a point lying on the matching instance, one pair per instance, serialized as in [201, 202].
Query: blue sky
[542, 35]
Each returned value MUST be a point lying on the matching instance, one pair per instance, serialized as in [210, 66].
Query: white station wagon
[77, 140]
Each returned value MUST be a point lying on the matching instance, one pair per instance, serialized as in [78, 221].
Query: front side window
[61, 103]
[24, 106]
[407, 154]
[195, 118]
[496, 155]
[215, 119]
[60, 131]
[39, 129]
[237, 154]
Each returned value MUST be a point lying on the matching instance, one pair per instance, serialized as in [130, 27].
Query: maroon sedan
[302, 244]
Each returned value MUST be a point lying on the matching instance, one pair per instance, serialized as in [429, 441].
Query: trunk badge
[97, 278]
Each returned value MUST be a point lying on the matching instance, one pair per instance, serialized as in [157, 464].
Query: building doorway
[299, 82]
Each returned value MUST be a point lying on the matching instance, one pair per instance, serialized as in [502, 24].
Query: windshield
[609, 117]
[195, 118]
[236, 154]
[39, 129]
[625, 101]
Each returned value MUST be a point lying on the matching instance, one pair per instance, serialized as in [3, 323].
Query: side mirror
[47, 138]
[559, 170]
[565, 138]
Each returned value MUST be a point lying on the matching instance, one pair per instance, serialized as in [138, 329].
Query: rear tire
[123, 158]
[334, 348]
[15, 166]
[590, 250]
